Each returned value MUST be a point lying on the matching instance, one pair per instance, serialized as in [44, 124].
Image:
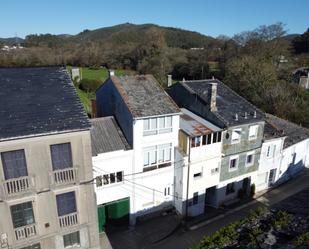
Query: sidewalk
[266, 197]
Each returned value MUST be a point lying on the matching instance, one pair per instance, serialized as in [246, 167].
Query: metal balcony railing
[25, 231]
[68, 220]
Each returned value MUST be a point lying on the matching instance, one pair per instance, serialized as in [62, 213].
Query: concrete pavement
[165, 232]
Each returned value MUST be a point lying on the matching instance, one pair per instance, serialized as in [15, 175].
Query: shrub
[252, 190]
[89, 85]
[302, 239]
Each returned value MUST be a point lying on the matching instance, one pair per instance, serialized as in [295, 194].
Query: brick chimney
[213, 96]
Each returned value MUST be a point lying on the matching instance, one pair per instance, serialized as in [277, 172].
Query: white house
[199, 174]
[149, 120]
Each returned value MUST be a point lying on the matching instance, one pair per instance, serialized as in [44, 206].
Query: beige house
[47, 197]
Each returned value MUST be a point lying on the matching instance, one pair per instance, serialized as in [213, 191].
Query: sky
[209, 17]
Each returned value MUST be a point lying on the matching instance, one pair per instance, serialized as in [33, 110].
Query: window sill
[154, 167]
[233, 169]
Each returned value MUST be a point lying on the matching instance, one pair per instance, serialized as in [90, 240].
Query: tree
[301, 43]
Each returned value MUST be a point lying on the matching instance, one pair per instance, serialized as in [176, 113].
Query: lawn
[94, 74]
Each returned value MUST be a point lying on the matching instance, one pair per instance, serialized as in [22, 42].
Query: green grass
[94, 74]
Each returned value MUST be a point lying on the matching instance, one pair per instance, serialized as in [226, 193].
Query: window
[22, 214]
[233, 163]
[204, 139]
[119, 176]
[253, 132]
[195, 142]
[195, 198]
[156, 156]
[159, 125]
[14, 164]
[109, 178]
[215, 171]
[214, 137]
[229, 188]
[209, 139]
[271, 151]
[196, 175]
[219, 136]
[66, 203]
[250, 159]
[166, 191]
[71, 239]
[61, 156]
[236, 135]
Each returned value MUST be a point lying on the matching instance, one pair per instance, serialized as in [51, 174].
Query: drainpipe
[188, 176]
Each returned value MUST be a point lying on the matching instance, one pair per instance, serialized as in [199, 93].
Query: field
[100, 74]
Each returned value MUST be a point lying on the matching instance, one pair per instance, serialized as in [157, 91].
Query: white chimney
[236, 116]
[169, 80]
[111, 73]
[213, 97]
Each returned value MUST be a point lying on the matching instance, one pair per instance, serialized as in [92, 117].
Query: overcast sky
[209, 17]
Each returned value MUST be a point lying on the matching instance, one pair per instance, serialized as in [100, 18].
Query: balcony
[18, 185]
[64, 176]
[68, 220]
[25, 232]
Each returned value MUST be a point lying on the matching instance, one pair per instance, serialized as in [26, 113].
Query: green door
[118, 212]
[102, 218]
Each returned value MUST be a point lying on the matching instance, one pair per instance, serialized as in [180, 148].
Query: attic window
[253, 132]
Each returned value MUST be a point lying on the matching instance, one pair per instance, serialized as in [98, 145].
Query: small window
[166, 191]
[71, 240]
[105, 179]
[99, 181]
[271, 151]
[219, 136]
[214, 137]
[250, 159]
[195, 198]
[35, 246]
[233, 164]
[229, 188]
[22, 214]
[253, 132]
[215, 171]
[197, 175]
[120, 176]
[112, 177]
[209, 139]
[236, 135]
[14, 164]
[204, 139]
[66, 203]
[61, 156]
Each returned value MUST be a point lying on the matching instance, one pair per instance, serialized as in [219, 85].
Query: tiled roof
[228, 102]
[38, 101]
[281, 128]
[144, 96]
[106, 136]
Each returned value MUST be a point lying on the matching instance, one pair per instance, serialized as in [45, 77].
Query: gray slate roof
[280, 128]
[38, 101]
[106, 136]
[228, 102]
[144, 96]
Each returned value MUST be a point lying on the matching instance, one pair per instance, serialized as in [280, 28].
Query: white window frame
[256, 131]
[253, 157]
[167, 150]
[156, 129]
[237, 163]
[238, 131]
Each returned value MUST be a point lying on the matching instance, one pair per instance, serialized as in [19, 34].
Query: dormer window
[236, 135]
[253, 132]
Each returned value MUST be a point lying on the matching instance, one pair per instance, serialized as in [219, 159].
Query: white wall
[268, 163]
